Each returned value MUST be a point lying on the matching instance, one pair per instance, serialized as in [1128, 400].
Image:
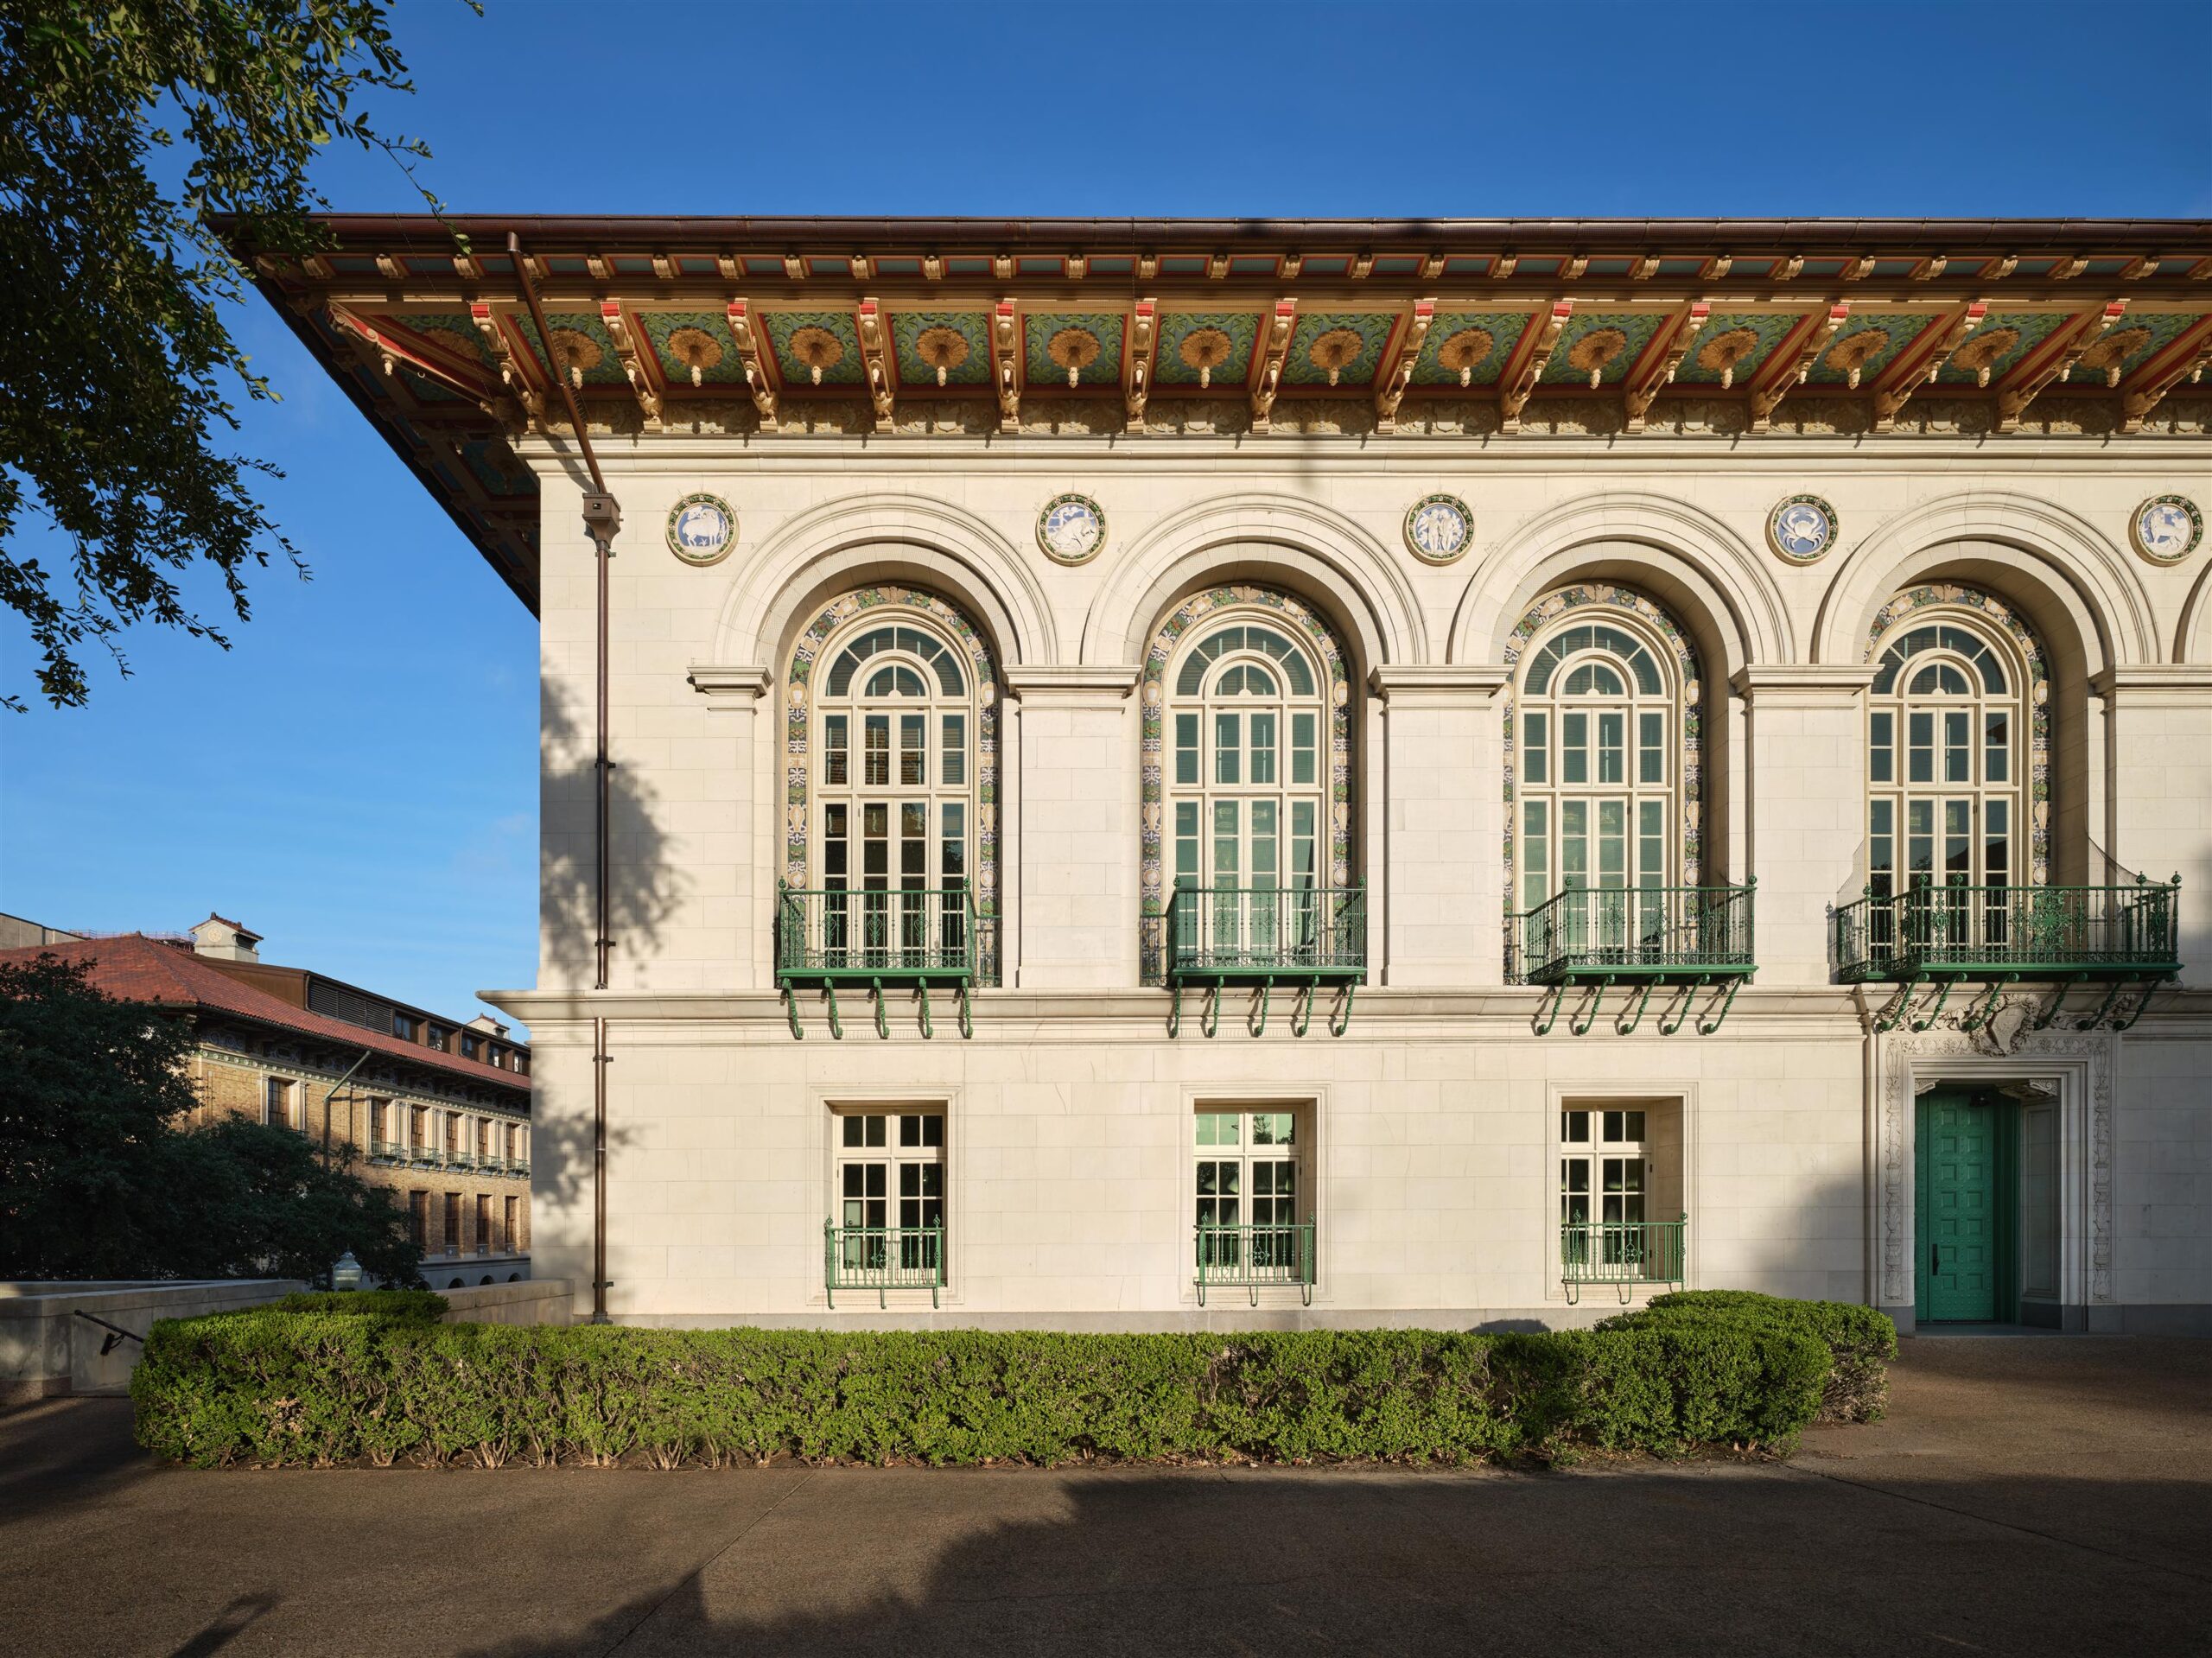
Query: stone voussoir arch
[1294, 544]
[1723, 582]
[927, 543]
[2063, 561]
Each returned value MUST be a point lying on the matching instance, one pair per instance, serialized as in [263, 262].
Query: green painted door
[1958, 1219]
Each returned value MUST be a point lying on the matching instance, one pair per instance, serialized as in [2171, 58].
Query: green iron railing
[2002, 934]
[1622, 1252]
[1302, 936]
[874, 937]
[1642, 936]
[1256, 1257]
[882, 1258]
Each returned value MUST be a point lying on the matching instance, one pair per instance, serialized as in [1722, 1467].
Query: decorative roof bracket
[1643, 391]
[2021, 389]
[1006, 350]
[1270, 377]
[2143, 393]
[1136, 382]
[1392, 389]
[748, 356]
[1515, 396]
[633, 368]
[1792, 371]
[512, 374]
[867, 322]
[1912, 370]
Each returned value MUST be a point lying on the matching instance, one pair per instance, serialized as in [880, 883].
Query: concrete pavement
[2028, 1494]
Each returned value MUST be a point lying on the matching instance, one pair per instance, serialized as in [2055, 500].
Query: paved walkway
[2028, 1494]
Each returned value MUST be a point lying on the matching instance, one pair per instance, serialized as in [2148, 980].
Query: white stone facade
[1430, 1126]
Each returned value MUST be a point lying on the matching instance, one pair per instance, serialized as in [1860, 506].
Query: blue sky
[356, 779]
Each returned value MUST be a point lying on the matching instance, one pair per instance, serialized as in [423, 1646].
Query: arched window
[1247, 770]
[1947, 724]
[1599, 769]
[892, 775]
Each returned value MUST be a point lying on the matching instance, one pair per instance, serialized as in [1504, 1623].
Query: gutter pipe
[602, 520]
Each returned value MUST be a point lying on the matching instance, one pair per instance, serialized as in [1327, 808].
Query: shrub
[323, 1385]
[369, 1304]
[1859, 1340]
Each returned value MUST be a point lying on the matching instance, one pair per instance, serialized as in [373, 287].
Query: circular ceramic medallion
[1801, 528]
[1439, 528]
[702, 529]
[1071, 528]
[2166, 529]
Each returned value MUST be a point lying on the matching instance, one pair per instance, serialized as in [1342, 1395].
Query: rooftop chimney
[225, 941]
[485, 1022]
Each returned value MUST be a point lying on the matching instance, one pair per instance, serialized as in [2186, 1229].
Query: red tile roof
[135, 968]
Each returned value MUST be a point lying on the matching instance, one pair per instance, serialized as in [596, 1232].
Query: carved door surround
[2073, 1068]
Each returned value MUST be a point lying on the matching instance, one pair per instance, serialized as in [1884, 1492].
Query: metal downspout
[602, 519]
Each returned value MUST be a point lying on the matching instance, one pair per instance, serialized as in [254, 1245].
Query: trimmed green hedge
[1861, 1340]
[270, 1386]
[362, 1303]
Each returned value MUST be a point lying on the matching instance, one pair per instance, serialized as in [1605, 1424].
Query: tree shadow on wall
[644, 888]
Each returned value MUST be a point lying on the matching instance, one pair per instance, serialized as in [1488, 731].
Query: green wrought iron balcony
[882, 1258]
[1252, 1258]
[1299, 937]
[1643, 936]
[875, 938]
[2003, 935]
[1623, 1254]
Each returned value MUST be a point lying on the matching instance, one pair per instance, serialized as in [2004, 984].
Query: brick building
[437, 1109]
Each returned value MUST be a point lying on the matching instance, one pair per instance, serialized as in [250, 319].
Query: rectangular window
[1536, 853]
[453, 1132]
[1958, 748]
[1881, 851]
[453, 1223]
[836, 752]
[1225, 758]
[1609, 760]
[1920, 840]
[1186, 842]
[379, 1125]
[1920, 752]
[1881, 748]
[511, 1234]
[1651, 747]
[1186, 748]
[1301, 843]
[483, 1137]
[1650, 843]
[913, 750]
[875, 846]
[403, 1026]
[1226, 863]
[837, 846]
[1612, 843]
[483, 1222]
[1958, 842]
[1263, 748]
[471, 1047]
[1574, 843]
[1620, 1192]
[888, 1190]
[1574, 748]
[875, 733]
[1996, 842]
[952, 752]
[1245, 1191]
[277, 1103]
[1264, 843]
[418, 1220]
[1304, 749]
[1997, 748]
[437, 1037]
[418, 1137]
[1536, 748]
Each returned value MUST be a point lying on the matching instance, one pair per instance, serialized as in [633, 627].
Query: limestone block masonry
[1431, 1157]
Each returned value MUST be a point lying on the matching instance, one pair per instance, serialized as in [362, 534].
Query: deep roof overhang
[748, 323]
